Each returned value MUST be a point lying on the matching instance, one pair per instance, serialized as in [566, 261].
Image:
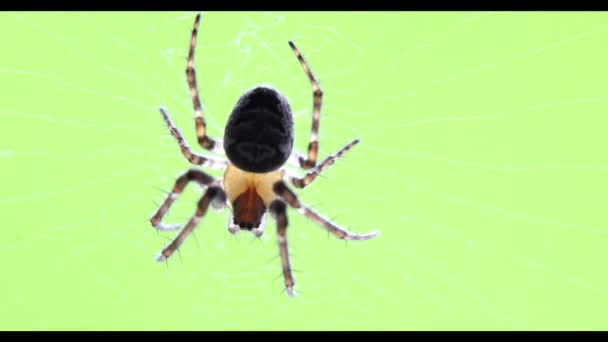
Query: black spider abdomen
[259, 133]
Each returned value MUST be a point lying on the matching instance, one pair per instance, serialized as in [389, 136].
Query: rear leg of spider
[215, 196]
[204, 140]
[310, 160]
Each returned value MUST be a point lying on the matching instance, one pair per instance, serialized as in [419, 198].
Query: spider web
[440, 236]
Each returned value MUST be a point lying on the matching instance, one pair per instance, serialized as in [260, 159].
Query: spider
[258, 142]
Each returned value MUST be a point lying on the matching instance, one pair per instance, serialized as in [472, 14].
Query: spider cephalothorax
[258, 141]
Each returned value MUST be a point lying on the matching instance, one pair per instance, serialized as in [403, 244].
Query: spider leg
[313, 147]
[197, 159]
[281, 189]
[278, 210]
[215, 196]
[204, 140]
[312, 174]
[182, 181]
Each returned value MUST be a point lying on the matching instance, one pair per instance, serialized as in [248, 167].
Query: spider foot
[364, 236]
[160, 257]
[167, 227]
[291, 292]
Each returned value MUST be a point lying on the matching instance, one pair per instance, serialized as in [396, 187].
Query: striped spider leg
[302, 182]
[203, 179]
[194, 158]
[214, 195]
[279, 212]
[309, 161]
[208, 143]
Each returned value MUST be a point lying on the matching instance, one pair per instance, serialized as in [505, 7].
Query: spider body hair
[258, 136]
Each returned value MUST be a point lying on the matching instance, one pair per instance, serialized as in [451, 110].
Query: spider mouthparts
[249, 226]
[257, 232]
[233, 229]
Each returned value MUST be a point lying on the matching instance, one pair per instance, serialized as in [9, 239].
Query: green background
[483, 162]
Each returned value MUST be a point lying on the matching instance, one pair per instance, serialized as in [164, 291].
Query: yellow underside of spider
[250, 194]
[237, 182]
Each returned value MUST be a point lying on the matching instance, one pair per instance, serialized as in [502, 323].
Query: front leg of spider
[278, 210]
[182, 181]
[215, 196]
[286, 194]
